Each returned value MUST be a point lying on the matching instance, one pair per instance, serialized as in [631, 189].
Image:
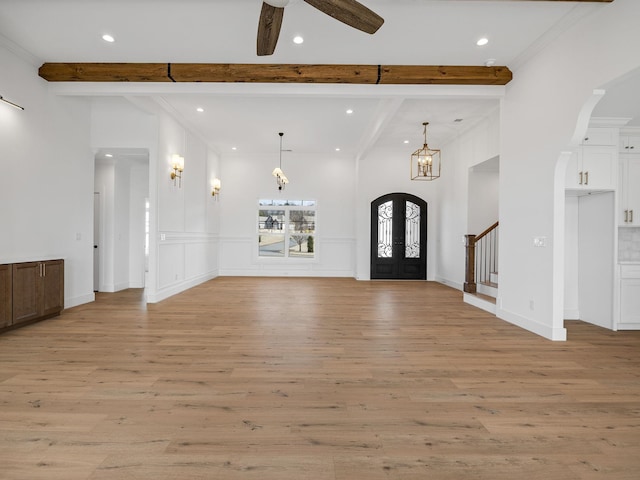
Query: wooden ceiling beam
[275, 73]
[104, 72]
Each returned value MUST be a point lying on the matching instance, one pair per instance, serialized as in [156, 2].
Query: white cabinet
[593, 168]
[629, 190]
[630, 144]
[629, 297]
[601, 137]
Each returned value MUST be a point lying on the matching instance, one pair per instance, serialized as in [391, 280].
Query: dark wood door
[38, 290]
[53, 287]
[399, 237]
[27, 291]
[5, 296]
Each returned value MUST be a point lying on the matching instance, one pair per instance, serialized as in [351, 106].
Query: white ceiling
[313, 118]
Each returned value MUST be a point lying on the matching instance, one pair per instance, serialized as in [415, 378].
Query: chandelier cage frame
[426, 163]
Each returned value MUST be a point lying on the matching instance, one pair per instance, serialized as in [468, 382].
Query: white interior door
[96, 241]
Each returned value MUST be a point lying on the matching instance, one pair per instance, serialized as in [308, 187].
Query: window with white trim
[287, 228]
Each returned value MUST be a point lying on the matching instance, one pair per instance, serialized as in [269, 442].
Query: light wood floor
[269, 378]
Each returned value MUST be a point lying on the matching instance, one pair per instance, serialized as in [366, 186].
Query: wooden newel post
[470, 264]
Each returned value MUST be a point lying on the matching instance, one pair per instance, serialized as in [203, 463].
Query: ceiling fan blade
[351, 12]
[269, 28]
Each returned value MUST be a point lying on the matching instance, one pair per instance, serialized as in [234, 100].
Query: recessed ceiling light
[350, 112]
[483, 41]
[490, 62]
[200, 109]
[298, 40]
[234, 148]
[337, 149]
[108, 38]
[108, 155]
[406, 141]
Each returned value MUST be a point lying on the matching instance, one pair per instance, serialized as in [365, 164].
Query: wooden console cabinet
[6, 315]
[30, 291]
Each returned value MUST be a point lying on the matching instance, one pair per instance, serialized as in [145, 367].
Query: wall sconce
[215, 188]
[177, 163]
[14, 105]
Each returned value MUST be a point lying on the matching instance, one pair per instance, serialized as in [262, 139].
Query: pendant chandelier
[425, 162]
[281, 178]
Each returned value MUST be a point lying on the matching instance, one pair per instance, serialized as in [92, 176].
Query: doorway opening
[121, 212]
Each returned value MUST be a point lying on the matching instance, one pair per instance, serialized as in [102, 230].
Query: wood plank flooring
[299, 378]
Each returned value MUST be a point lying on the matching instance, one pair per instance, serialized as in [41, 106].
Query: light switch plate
[540, 241]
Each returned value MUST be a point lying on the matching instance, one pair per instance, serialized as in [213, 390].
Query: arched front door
[399, 237]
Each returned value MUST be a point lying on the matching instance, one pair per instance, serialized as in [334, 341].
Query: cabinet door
[623, 216]
[27, 291]
[630, 300]
[53, 287]
[600, 136]
[632, 191]
[630, 144]
[598, 167]
[6, 272]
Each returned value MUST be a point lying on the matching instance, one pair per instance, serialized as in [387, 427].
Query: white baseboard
[449, 283]
[285, 273]
[555, 334]
[164, 293]
[479, 303]
[628, 326]
[81, 300]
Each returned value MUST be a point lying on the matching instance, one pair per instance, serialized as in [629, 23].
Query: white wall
[571, 306]
[138, 195]
[477, 145]
[596, 257]
[121, 232]
[123, 186]
[534, 133]
[184, 217]
[382, 172]
[188, 216]
[329, 180]
[483, 201]
[121, 128]
[105, 177]
[47, 194]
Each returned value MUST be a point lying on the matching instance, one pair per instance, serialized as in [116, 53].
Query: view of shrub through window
[286, 228]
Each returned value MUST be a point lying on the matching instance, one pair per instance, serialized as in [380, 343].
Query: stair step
[487, 288]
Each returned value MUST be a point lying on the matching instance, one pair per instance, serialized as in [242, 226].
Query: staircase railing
[481, 258]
